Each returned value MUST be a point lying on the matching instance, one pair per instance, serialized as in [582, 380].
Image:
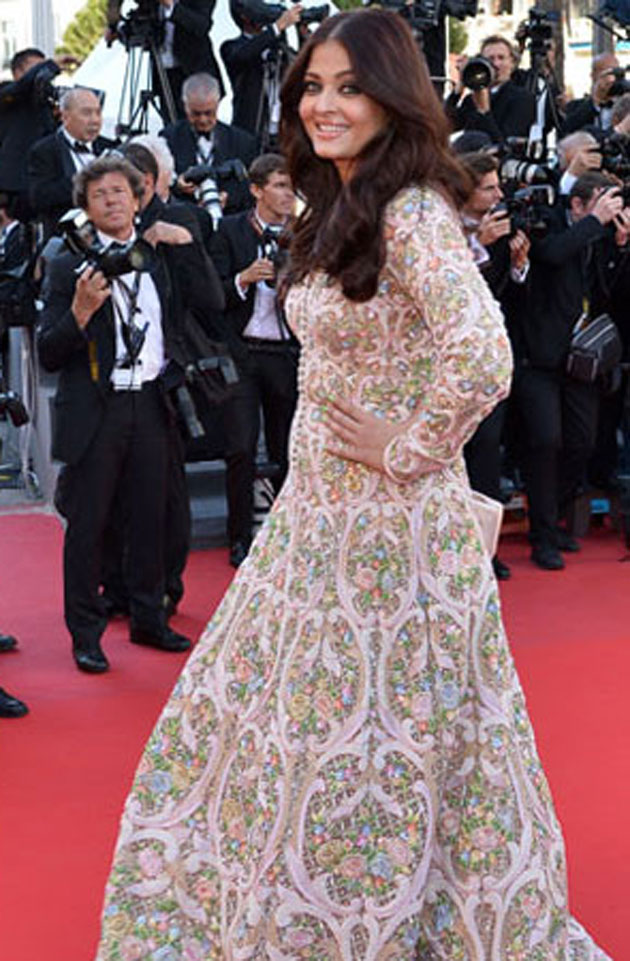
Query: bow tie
[79, 147]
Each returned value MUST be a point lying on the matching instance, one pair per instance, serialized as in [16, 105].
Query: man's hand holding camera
[90, 293]
[519, 250]
[608, 206]
[260, 269]
[493, 225]
[289, 18]
[602, 87]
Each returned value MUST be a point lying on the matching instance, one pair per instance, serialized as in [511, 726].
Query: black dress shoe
[565, 542]
[166, 640]
[91, 660]
[10, 706]
[548, 558]
[7, 643]
[501, 571]
[238, 553]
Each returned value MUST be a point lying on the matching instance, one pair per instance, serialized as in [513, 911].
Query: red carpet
[65, 769]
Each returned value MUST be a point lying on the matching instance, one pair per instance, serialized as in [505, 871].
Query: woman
[346, 769]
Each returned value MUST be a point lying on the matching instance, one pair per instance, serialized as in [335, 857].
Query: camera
[621, 85]
[519, 163]
[538, 30]
[211, 178]
[528, 209]
[81, 238]
[615, 151]
[273, 249]
[142, 26]
[262, 14]
[478, 74]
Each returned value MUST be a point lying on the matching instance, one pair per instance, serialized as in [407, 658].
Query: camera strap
[133, 334]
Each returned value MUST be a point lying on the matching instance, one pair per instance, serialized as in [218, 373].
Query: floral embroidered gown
[345, 770]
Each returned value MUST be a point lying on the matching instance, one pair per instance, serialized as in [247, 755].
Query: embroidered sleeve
[428, 254]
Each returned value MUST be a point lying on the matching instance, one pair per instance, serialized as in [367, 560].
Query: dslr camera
[81, 238]
[211, 179]
[273, 244]
[262, 14]
[528, 209]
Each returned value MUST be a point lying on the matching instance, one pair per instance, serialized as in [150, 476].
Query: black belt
[272, 346]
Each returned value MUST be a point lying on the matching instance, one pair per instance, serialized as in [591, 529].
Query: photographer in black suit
[54, 160]
[27, 113]
[113, 343]
[501, 110]
[202, 138]
[255, 62]
[571, 269]
[184, 39]
[182, 260]
[262, 345]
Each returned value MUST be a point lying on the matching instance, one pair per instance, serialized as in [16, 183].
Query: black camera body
[528, 209]
[615, 151]
[538, 32]
[81, 237]
[519, 163]
[262, 14]
[211, 179]
[621, 85]
[142, 26]
[274, 248]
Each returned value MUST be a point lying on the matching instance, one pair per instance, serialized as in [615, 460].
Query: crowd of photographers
[155, 261]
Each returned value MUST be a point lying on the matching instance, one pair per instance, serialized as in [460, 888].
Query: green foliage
[457, 35]
[83, 33]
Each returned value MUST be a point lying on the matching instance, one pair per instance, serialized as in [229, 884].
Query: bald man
[54, 160]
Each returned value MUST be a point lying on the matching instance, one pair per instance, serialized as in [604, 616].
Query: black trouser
[559, 415]
[483, 454]
[270, 383]
[177, 534]
[129, 455]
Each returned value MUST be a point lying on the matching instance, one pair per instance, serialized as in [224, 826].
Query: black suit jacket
[229, 143]
[234, 247]
[85, 358]
[567, 264]
[25, 117]
[51, 171]
[512, 112]
[579, 114]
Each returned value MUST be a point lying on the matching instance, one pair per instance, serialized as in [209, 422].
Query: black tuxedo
[559, 413]
[184, 263]
[580, 114]
[512, 112]
[114, 444]
[268, 379]
[51, 171]
[25, 116]
[243, 58]
[229, 143]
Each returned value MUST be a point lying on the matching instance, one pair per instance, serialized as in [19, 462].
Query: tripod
[136, 102]
[542, 83]
[268, 115]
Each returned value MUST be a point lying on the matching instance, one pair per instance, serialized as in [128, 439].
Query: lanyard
[133, 335]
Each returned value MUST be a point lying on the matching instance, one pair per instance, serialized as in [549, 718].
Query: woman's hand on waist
[358, 434]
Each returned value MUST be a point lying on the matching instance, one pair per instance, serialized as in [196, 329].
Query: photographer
[571, 269]
[255, 63]
[496, 105]
[113, 342]
[203, 139]
[183, 30]
[502, 257]
[578, 153]
[54, 160]
[184, 262]
[595, 110]
[27, 113]
[262, 345]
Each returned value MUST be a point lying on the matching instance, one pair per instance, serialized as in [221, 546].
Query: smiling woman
[346, 769]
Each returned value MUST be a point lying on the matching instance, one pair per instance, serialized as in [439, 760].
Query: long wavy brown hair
[340, 229]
